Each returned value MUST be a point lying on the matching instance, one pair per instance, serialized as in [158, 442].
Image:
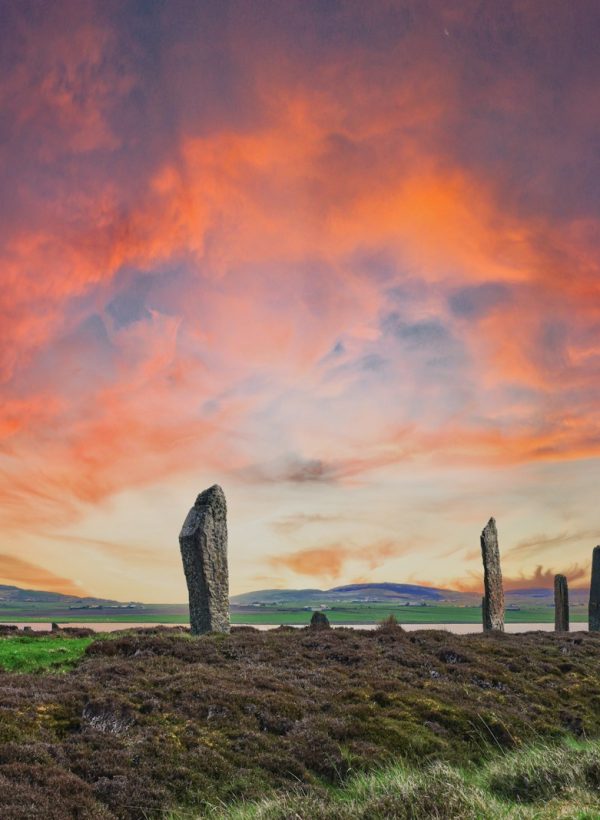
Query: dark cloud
[429, 340]
[429, 332]
[477, 301]
[292, 468]
[130, 303]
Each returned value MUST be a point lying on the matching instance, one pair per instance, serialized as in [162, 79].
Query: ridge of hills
[384, 592]
[13, 594]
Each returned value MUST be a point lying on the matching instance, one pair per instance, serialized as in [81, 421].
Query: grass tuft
[536, 783]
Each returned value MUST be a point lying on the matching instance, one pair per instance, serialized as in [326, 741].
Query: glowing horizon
[341, 259]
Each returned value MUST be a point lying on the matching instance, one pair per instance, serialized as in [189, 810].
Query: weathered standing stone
[493, 609]
[561, 604]
[203, 543]
[319, 621]
[594, 607]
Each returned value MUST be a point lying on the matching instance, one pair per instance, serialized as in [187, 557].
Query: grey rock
[493, 609]
[561, 604]
[319, 621]
[203, 544]
[594, 607]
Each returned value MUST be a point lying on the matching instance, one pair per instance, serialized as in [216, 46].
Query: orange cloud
[31, 576]
[330, 561]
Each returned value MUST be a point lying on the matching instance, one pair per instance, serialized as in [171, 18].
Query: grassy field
[23, 653]
[300, 724]
[342, 614]
[374, 613]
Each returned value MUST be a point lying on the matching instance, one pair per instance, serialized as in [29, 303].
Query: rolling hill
[397, 593]
[12, 594]
[385, 593]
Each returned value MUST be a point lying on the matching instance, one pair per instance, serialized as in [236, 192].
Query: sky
[341, 258]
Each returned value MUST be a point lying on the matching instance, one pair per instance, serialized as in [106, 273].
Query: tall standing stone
[561, 604]
[594, 608]
[203, 543]
[493, 609]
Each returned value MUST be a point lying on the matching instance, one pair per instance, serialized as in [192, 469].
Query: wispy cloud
[330, 560]
[543, 543]
[292, 523]
[18, 572]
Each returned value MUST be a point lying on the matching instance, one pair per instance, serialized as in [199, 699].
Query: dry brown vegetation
[156, 720]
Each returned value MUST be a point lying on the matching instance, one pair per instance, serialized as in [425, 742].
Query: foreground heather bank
[154, 721]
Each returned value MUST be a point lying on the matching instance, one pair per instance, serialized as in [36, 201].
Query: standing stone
[561, 604]
[594, 608]
[319, 621]
[203, 543]
[493, 609]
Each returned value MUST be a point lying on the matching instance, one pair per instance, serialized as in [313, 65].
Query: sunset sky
[341, 258]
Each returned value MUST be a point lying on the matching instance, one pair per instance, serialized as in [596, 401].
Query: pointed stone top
[210, 502]
[491, 524]
[212, 495]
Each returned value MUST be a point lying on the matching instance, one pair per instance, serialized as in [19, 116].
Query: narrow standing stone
[594, 608]
[203, 543]
[493, 610]
[561, 604]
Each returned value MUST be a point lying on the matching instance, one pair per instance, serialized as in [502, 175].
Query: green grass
[541, 782]
[29, 654]
[374, 613]
[341, 614]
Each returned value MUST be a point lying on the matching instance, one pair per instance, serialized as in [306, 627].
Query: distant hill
[18, 595]
[388, 590]
[399, 593]
[375, 592]
[364, 593]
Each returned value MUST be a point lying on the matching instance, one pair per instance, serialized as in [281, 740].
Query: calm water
[460, 629]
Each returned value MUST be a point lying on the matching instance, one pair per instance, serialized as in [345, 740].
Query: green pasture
[23, 653]
[352, 614]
